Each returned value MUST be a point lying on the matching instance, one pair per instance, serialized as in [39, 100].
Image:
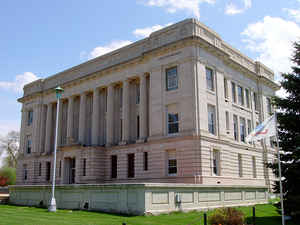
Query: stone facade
[172, 108]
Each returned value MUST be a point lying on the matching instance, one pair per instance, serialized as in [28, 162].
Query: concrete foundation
[138, 199]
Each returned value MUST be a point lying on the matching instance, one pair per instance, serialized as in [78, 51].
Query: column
[110, 115]
[143, 107]
[43, 128]
[70, 120]
[125, 113]
[96, 117]
[22, 130]
[48, 128]
[82, 112]
[60, 124]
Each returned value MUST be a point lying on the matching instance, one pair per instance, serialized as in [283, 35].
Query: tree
[7, 176]
[289, 137]
[9, 147]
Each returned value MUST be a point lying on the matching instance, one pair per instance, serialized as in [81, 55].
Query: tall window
[242, 129]
[173, 123]
[40, 169]
[211, 119]
[235, 127]
[171, 78]
[249, 126]
[25, 172]
[240, 95]
[130, 165]
[247, 93]
[28, 145]
[172, 163]
[59, 169]
[216, 162]
[137, 101]
[233, 92]
[240, 160]
[137, 127]
[254, 166]
[255, 100]
[225, 88]
[29, 117]
[210, 79]
[114, 166]
[145, 161]
[84, 167]
[269, 106]
[48, 170]
[227, 120]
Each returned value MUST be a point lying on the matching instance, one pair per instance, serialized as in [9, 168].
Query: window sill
[172, 175]
[211, 92]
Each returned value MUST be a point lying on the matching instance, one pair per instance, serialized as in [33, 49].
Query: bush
[227, 216]
[7, 176]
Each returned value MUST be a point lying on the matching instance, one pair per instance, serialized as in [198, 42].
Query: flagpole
[279, 169]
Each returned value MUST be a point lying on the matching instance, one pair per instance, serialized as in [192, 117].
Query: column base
[123, 142]
[141, 140]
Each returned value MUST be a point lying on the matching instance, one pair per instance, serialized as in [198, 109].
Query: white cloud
[293, 13]
[19, 82]
[272, 39]
[232, 9]
[101, 50]
[172, 6]
[145, 32]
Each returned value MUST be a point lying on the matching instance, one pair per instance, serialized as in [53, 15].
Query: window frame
[233, 91]
[216, 162]
[169, 73]
[145, 161]
[210, 83]
[114, 166]
[28, 145]
[172, 123]
[240, 93]
[212, 127]
[243, 129]
[235, 128]
[29, 117]
[247, 96]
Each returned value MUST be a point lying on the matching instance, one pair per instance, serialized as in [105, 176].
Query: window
[210, 79]
[29, 145]
[249, 126]
[233, 92]
[171, 78]
[29, 117]
[137, 101]
[172, 163]
[247, 93]
[254, 166]
[59, 169]
[255, 100]
[173, 123]
[145, 161]
[225, 88]
[242, 129]
[240, 160]
[216, 162]
[25, 172]
[211, 119]
[269, 106]
[40, 169]
[137, 127]
[48, 170]
[227, 120]
[114, 163]
[84, 167]
[130, 165]
[235, 127]
[240, 95]
[272, 142]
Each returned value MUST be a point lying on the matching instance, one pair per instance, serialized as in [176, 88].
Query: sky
[41, 38]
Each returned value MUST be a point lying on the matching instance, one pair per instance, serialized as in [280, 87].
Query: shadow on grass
[269, 220]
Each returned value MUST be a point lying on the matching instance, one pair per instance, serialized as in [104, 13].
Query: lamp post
[52, 206]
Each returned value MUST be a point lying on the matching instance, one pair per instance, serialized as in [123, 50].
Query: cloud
[172, 6]
[293, 13]
[272, 38]
[9, 125]
[232, 9]
[19, 82]
[145, 32]
[101, 50]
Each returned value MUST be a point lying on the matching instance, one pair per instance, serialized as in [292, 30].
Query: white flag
[263, 130]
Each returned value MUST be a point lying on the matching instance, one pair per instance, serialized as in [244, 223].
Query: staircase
[4, 198]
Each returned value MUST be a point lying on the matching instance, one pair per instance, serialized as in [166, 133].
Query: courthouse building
[169, 111]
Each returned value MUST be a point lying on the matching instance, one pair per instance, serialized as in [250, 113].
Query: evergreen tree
[289, 137]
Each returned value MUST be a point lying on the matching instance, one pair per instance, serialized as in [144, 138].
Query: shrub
[227, 216]
[7, 176]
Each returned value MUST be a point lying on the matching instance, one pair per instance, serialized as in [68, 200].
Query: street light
[52, 206]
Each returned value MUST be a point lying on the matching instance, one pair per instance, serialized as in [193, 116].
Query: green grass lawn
[19, 215]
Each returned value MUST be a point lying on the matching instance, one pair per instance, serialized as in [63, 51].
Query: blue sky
[41, 38]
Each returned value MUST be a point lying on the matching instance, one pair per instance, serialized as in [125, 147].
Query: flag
[263, 130]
